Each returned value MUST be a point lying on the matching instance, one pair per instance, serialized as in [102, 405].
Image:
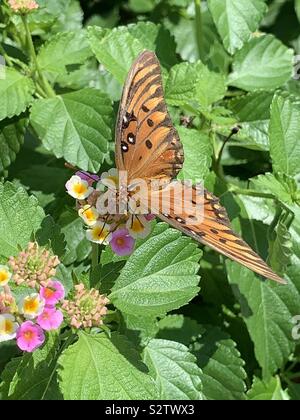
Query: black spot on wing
[149, 144]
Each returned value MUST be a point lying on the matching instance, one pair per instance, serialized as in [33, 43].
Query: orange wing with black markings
[213, 229]
[148, 147]
[147, 144]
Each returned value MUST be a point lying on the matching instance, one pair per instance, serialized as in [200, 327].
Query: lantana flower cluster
[26, 319]
[86, 309]
[120, 231]
[23, 6]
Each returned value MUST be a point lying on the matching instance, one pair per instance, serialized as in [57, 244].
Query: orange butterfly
[148, 147]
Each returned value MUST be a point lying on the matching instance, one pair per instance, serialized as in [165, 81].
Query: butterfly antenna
[235, 130]
[69, 166]
[87, 209]
[73, 168]
[132, 218]
[105, 221]
[138, 220]
[112, 231]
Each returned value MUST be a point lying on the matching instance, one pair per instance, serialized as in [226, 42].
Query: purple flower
[122, 243]
[149, 217]
[30, 336]
[53, 292]
[50, 319]
[86, 176]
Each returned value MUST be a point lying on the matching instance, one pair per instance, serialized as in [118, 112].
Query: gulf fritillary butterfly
[148, 147]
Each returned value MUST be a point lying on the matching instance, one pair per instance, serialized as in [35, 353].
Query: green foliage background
[187, 324]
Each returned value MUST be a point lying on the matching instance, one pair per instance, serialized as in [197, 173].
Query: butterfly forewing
[147, 144]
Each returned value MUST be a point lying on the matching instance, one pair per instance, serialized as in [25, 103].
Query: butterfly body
[148, 148]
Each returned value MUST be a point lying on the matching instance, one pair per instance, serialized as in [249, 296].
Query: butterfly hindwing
[214, 228]
[147, 144]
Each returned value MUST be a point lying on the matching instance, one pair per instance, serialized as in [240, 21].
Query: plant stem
[233, 132]
[251, 193]
[6, 57]
[20, 63]
[199, 28]
[233, 94]
[292, 376]
[48, 89]
[273, 224]
[217, 168]
[40, 91]
[95, 255]
[70, 338]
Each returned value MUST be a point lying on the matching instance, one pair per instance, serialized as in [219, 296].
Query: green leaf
[267, 309]
[222, 367]
[274, 9]
[20, 216]
[35, 177]
[56, 16]
[115, 49]
[294, 391]
[252, 106]
[263, 63]
[198, 154]
[142, 6]
[185, 36]
[32, 376]
[16, 93]
[267, 391]
[280, 248]
[62, 50]
[75, 126]
[139, 329]
[194, 82]
[297, 8]
[112, 367]
[78, 247]
[183, 29]
[174, 369]
[103, 276]
[284, 136]
[223, 373]
[156, 38]
[181, 83]
[108, 84]
[253, 113]
[11, 140]
[8, 350]
[214, 284]
[161, 275]
[109, 19]
[50, 234]
[82, 76]
[64, 275]
[179, 328]
[268, 183]
[236, 20]
[210, 87]
[69, 18]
